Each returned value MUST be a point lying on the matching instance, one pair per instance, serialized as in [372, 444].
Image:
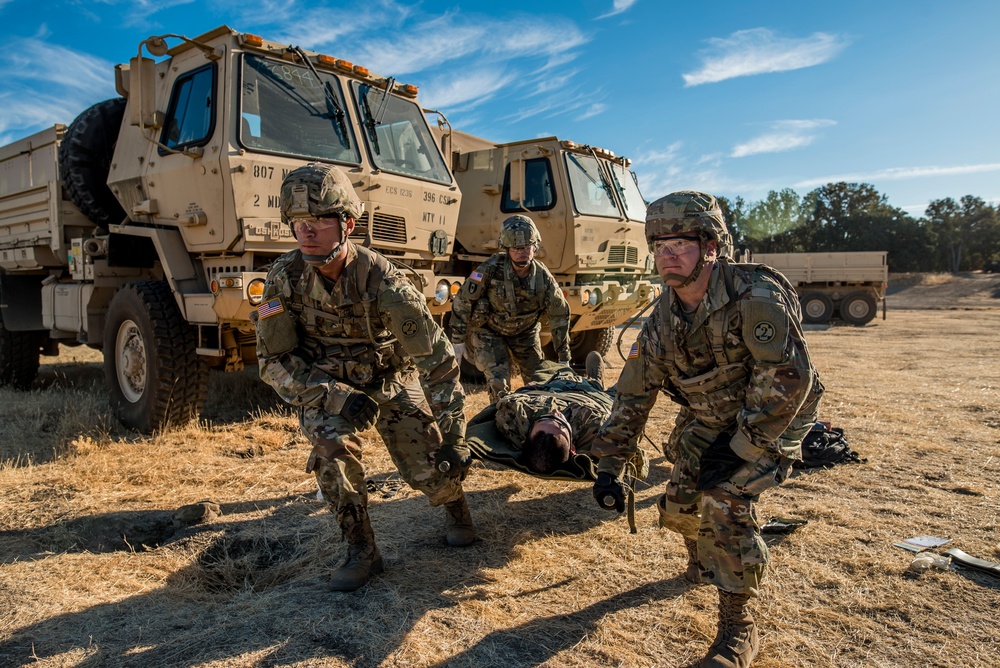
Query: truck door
[184, 173]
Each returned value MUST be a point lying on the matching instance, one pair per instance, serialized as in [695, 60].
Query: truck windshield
[397, 135]
[284, 109]
[635, 205]
[591, 189]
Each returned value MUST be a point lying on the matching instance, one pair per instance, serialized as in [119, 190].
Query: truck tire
[85, 160]
[598, 340]
[858, 308]
[19, 355]
[817, 308]
[153, 373]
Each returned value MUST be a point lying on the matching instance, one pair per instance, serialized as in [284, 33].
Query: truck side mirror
[142, 93]
[517, 180]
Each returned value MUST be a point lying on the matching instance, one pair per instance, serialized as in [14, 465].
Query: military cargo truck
[589, 212]
[146, 227]
[845, 286]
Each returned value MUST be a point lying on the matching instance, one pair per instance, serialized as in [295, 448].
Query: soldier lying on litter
[546, 427]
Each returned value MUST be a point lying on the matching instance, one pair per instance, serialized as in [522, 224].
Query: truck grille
[387, 228]
[623, 255]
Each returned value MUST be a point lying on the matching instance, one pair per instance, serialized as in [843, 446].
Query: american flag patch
[633, 352]
[476, 276]
[267, 309]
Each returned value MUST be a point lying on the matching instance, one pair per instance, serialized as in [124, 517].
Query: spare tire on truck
[153, 372]
[85, 160]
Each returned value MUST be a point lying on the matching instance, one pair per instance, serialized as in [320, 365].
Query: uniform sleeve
[642, 378]
[295, 380]
[781, 373]
[461, 306]
[558, 314]
[405, 313]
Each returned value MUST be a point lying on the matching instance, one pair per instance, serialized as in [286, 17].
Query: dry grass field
[95, 571]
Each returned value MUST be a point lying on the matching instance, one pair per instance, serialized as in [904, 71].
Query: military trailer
[146, 227]
[844, 286]
[589, 212]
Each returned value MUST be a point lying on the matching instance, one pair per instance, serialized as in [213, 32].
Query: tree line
[952, 236]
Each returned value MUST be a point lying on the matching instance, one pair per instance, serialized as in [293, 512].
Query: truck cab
[589, 212]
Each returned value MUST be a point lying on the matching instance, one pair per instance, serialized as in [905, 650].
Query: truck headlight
[441, 292]
[255, 291]
[595, 297]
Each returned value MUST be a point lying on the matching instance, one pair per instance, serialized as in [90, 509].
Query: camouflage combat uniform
[369, 331]
[738, 364]
[507, 322]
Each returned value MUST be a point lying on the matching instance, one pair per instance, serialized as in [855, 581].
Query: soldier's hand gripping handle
[454, 457]
[610, 492]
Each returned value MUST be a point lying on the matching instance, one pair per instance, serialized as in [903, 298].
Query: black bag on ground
[824, 447]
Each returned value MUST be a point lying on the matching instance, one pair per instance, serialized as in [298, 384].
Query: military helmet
[516, 231]
[688, 211]
[318, 190]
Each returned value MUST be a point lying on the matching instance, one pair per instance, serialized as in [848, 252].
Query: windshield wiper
[370, 122]
[385, 100]
[333, 107]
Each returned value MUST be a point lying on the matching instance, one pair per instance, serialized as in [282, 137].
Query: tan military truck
[146, 227]
[845, 286]
[589, 212]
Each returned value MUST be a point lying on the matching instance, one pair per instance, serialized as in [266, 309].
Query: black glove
[718, 463]
[360, 410]
[454, 457]
[610, 492]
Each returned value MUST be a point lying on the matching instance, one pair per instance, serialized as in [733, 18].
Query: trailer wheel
[85, 161]
[19, 355]
[817, 308]
[154, 375]
[858, 308]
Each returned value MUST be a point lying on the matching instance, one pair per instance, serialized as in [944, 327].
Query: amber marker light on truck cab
[252, 40]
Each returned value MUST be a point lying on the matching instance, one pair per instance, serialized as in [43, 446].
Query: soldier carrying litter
[500, 307]
[725, 342]
[342, 334]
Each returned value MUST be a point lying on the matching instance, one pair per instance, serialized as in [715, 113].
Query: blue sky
[733, 98]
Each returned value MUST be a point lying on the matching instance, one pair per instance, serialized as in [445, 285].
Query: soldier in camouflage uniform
[556, 415]
[499, 308]
[343, 335]
[725, 342]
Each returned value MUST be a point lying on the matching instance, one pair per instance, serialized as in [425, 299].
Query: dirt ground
[97, 567]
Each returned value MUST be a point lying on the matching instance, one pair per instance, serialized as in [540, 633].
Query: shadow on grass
[258, 586]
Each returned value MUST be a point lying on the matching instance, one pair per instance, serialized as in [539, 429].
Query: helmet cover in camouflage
[518, 230]
[317, 190]
[688, 211]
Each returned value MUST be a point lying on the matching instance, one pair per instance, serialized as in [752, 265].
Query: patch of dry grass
[95, 572]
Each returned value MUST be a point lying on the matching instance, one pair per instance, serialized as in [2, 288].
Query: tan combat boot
[459, 531]
[736, 643]
[693, 572]
[363, 558]
[595, 367]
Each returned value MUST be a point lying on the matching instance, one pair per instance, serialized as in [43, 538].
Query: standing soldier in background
[499, 307]
[341, 333]
[725, 342]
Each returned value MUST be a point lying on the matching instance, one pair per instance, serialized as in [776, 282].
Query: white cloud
[784, 136]
[473, 86]
[34, 94]
[592, 110]
[900, 174]
[759, 51]
[618, 7]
